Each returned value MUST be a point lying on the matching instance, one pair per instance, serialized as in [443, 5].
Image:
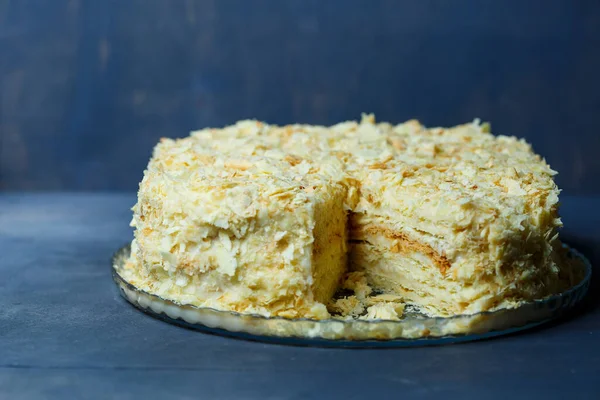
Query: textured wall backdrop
[87, 87]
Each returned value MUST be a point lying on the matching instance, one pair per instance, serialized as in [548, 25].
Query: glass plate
[413, 329]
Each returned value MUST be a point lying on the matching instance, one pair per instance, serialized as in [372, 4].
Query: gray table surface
[66, 333]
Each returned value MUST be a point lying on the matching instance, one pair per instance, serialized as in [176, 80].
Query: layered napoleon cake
[264, 219]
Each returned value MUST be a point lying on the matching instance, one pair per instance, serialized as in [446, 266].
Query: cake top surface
[456, 159]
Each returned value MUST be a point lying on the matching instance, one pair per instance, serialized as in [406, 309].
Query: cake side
[236, 230]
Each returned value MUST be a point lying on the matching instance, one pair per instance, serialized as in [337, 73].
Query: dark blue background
[88, 87]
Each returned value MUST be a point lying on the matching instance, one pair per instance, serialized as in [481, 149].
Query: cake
[273, 220]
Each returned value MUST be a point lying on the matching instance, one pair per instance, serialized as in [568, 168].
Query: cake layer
[394, 262]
